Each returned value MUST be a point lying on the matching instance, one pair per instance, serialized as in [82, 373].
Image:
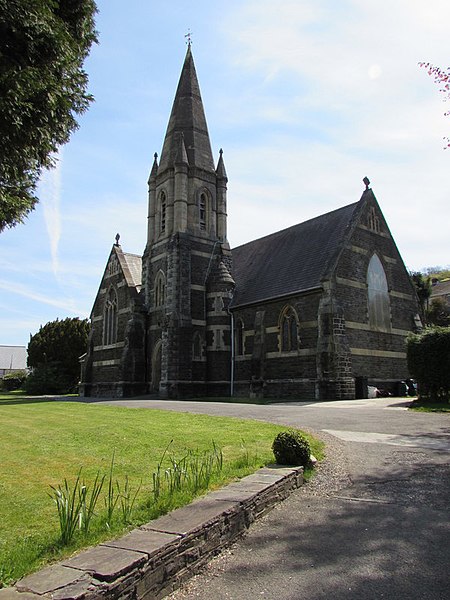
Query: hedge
[429, 363]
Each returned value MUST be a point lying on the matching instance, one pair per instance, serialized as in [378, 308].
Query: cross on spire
[188, 37]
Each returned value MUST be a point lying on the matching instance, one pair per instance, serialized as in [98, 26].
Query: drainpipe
[232, 355]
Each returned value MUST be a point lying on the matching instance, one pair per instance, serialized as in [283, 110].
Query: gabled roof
[132, 268]
[289, 261]
[442, 288]
[187, 119]
[13, 357]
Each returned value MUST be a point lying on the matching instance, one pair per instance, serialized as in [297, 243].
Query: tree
[43, 87]
[53, 354]
[423, 290]
[438, 312]
[441, 78]
[428, 355]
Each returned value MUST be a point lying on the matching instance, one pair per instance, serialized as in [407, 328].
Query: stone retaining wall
[150, 562]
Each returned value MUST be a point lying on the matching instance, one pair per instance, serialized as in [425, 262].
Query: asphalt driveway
[374, 523]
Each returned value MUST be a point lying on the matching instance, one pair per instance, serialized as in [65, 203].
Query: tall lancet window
[163, 204]
[160, 289]
[239, 338]
[288, 330]
[110, 318]
[202, 210]
[378, 295]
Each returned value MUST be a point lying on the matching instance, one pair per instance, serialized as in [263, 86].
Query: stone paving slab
[106, 563]
[143, 540]
[191, 517]
[14, 594]
[49, 579]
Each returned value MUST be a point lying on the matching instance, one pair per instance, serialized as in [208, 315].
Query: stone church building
[318, 310]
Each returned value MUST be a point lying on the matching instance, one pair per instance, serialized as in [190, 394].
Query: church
[317, 311]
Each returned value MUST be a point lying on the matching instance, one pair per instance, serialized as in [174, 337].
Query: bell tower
[187, 302]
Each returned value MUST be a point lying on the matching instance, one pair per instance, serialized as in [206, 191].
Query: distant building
[12, 358]
[441, 289]
[318, 310]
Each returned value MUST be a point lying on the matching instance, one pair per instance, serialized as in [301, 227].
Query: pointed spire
[181, 157]
[220, 171]
[154, 171]
[188, 117]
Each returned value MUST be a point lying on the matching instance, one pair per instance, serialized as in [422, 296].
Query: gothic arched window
[197, 346]
[203, 211]
[288, 330]
[160, 289]
[239, 338]
[163, 205]
[110, 318]
[378, 295]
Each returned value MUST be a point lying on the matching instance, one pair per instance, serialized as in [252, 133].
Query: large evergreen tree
[43, 87]
[53, 355]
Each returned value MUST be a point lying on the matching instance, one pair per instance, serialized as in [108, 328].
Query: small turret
[222, 181]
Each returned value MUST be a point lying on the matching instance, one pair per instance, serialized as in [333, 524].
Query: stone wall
[153, 560]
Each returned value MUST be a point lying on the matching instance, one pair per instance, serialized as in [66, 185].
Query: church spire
[187, 118]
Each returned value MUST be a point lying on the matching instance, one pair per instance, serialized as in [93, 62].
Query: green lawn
[43, 442]
[419, 406]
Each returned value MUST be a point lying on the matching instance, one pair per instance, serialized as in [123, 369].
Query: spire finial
[366, 182]
[155, 156]
[188, 37]
[117, 239]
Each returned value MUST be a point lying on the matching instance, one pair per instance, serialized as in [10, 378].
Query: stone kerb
[153, 560]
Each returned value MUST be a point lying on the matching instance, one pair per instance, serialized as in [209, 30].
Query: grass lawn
[44, 442]
[430, 406]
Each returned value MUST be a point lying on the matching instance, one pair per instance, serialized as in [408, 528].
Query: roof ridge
[269, 235]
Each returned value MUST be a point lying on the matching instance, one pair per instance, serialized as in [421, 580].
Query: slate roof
[133, 269]
[13, 357]
[289, 261]
[442, 288]
[187, 118]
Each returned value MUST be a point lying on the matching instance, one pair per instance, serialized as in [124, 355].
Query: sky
[306, 97]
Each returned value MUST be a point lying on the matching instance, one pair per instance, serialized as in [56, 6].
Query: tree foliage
[442, 79]
[423, 289]
[53, 354]
[429, 363]
[43, 87]
[438, 312]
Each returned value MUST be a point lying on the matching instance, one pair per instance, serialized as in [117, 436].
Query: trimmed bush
[14, 381]
[429, 363]
[291, 448]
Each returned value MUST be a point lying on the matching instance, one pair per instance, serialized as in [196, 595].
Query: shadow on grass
[13, 398]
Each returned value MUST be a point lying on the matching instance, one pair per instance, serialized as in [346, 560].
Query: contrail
[50, 196]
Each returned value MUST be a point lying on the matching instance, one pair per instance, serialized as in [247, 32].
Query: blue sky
[305, 97]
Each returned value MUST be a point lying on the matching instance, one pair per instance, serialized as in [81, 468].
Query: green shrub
[47, 379]
[429, 363]
[291, 448]
[14, 380]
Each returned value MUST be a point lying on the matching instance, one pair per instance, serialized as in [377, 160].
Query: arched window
[160, 289]
[197, 346]
[163, 205]
[203, 211]
[378, 295]
[239, 338]
[288, 330]
[110, 318]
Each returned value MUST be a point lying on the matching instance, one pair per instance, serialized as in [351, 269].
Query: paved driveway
[373, 524]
